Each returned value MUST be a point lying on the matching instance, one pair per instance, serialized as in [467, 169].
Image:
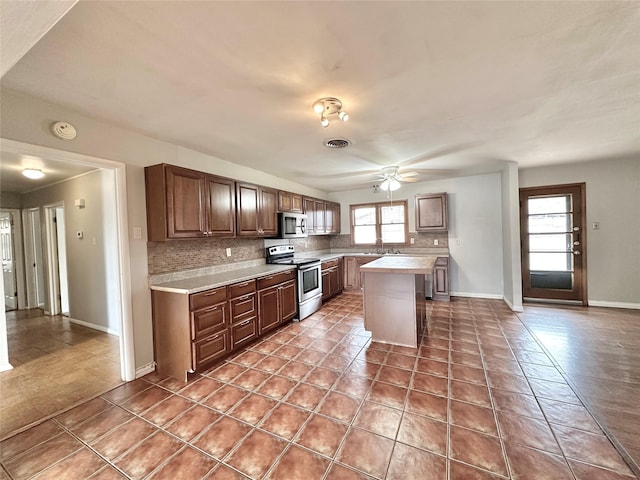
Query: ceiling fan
[391, 178]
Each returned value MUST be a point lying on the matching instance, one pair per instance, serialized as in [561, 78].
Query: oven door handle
[304, 268]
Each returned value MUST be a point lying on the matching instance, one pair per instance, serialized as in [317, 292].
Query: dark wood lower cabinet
[331, 278]
[192, 332]
[441, 280]
[276, 305]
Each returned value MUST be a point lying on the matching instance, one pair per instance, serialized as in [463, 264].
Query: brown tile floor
[608, 378]
[56, 364]
[318, 400]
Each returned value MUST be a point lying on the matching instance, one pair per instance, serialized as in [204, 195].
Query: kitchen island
[394, 296]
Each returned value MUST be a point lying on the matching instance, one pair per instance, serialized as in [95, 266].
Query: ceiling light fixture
[328, 107]
[390, 185]
[33, 173]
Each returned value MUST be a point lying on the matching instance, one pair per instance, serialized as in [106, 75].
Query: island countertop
[401, 264]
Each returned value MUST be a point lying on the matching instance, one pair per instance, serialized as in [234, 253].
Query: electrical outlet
[595, 226]
[412, 240]
[228, 252]
[457, 242]
[435, 242]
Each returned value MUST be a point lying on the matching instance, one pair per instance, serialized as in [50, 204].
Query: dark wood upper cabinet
[310, 209]
[319, 212]
[322, 217]
[289, 202]
[256, 211]
[222, 207]
[184, 203]
[431, 212]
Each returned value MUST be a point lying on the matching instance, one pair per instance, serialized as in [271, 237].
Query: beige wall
[92, 278]
[9, 200]
[613, 200]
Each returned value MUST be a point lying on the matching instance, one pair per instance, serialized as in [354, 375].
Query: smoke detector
[64, 130]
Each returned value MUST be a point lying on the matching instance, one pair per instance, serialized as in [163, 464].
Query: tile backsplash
[178, 255]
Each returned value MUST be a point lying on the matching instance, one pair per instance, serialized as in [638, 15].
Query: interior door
[8, 261]
[552, 221]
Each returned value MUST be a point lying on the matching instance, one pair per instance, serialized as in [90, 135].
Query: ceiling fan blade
[412, 173]
[409, 180]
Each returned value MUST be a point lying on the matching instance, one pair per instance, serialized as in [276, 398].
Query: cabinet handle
[214, 337]
[244, 297]
[211, 309]
[210, 293]
[270, 277]
[244, 284]
[246, 322]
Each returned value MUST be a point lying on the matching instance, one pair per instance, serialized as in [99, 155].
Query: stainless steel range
[309, 277]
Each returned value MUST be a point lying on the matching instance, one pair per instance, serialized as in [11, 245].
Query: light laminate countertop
[215, 280]
[401, 264]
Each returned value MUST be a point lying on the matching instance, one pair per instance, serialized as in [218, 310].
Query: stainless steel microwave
[292, 225]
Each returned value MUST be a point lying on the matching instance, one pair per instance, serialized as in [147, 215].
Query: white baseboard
[602, 303]
[6, 366]
[94, 326]
[510, 305]
[145, 369]
[477, 295]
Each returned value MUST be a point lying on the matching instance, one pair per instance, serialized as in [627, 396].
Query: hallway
[56, 363]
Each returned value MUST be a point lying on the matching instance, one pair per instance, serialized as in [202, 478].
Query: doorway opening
[552, 220]
[7, 249]
[56, 249]
[33, 258]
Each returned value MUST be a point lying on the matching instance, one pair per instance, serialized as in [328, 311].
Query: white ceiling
[449, 87]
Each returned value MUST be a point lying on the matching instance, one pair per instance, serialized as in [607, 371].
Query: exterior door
[552, 221]
[8, 261]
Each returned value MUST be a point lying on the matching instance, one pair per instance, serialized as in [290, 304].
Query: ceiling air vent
[337, 143]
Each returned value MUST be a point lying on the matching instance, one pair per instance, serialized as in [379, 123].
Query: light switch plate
[228, 252]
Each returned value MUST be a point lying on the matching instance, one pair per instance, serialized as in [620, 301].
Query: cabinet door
[247, 209]
[332, 217]
[268, 212]
[296, 203]
[284, 201]
[326, 285]
[268, 309]
[431, 212]
[186, 200]
[221, 207]
[310, 210]
[288, 304]
[334, 281]
[351, 274]
[441, 279]
[320, 224]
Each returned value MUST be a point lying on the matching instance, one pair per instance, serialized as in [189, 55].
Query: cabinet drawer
[207, 298]
[240, 289]
[208, 320]
[209, 349]
[243, 332]
[243, 307]
[275, 279]
[330, 263]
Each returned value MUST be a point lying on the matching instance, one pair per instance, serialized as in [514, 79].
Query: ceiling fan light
[393, 184]
[344, 116]
[324, 121]
[33, 173]
[318, 107]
